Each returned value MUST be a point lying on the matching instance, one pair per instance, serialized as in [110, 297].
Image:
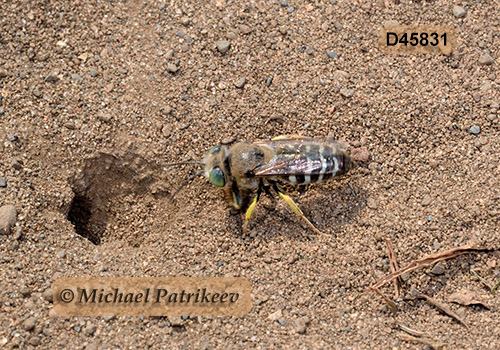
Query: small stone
[269, 81]
[47, 295]
[76, 77]
[245, 29]
[2, 111]
[90, 329]
[223, 46]
[275, 316]
[301, 324]
[475, 129]
[3, 183]
[486, 59]
[426, 200]
[459, 11]
[180, 33]
[175, 321]
[8, 218]
[37, 93]
[29, 324]
[52, 79]
[283, 3]
[437, 269]
[240, 83]
[108, 318]
[185, 20]
[61, 254]
[331, 54]
[17, 164]
[104, 117]
[18, 233]
[360, 154]
[69, 125]
[108, 87]
[93, 73]
[346, 92]
[172, 68]
[35, 341]
[170, 54]
[371, 203]
[290, 9]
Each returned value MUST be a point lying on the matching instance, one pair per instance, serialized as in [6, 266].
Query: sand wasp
[245, 170]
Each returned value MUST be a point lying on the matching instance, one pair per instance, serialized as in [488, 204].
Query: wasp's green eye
[216, 177]
[215, 149]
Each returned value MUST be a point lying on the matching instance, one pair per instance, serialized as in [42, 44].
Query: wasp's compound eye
[216, 177]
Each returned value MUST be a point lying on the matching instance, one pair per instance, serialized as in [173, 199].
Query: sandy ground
[97, 95]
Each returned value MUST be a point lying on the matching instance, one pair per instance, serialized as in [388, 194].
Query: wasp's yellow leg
[299, 212]
[248, 213]
[288, 137]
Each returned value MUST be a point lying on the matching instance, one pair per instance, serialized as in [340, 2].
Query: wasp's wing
[295, 156]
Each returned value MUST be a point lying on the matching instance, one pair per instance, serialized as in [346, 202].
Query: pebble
[245, 29]
[61, 254]
[283, 3]
[37, 93]
[371, 203]
[185, 20]
[93, 73]
[90, 329]
[1, 111]
[35, 341]
[3, 183]
[301, 324]
[69, 125]
[170, 54]
[19, 233]
[52, 79]
[8, 218]
[426, 200]
[331, 54]
[223, 46]
[29, 324]
[275, 316]
[240, 83]
[346, 92]
[459, 11]
[104, 117]
[360, 154]
[17, 164]
[269, 81]
[290, 9]
[486, 59]
[76, 77]
[475, 129]
[172, 68]
[437, 269]
[47, 295]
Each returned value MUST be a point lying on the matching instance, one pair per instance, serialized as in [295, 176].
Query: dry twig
[440, 306]
[427, 261]
[426, 341]
[394, 266]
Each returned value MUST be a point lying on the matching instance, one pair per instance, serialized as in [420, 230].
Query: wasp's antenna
[182, 163]
[191, 178]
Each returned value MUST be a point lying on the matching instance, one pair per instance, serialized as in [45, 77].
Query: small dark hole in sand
[79, 215]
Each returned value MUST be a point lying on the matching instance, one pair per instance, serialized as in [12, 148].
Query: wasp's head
[215, 169]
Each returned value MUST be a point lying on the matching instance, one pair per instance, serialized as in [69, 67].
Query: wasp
[245, 170]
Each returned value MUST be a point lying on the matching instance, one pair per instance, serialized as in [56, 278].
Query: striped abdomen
[302, 163]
